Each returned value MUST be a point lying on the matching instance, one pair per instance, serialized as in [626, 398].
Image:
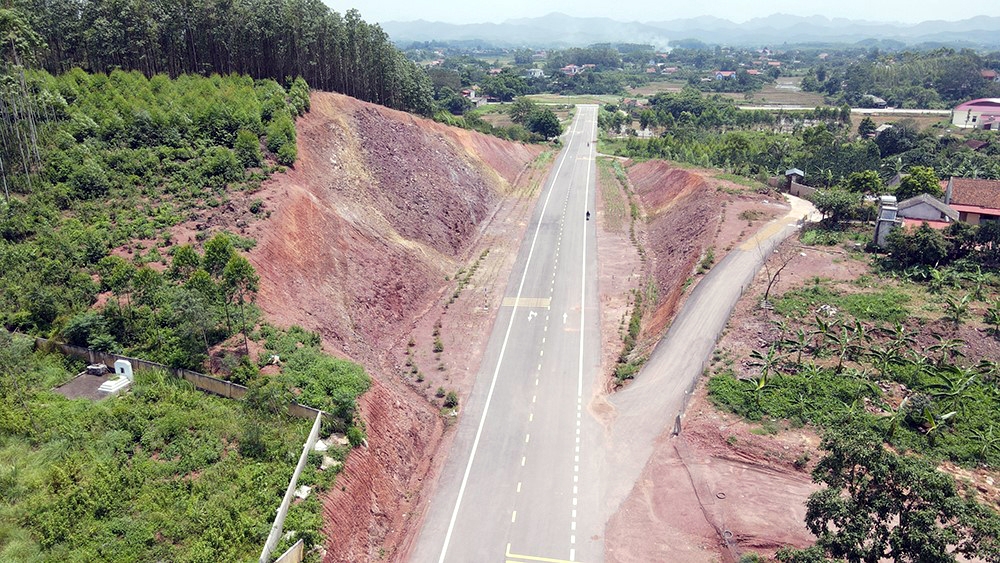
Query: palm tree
[782, 327]
[992, 317]
[936, 424]
[893, 417]
[953, 389]
[859, 332]
[988, 441]
[756, 387]
[988, 370]
[798, 344]
[843, 344]
[979, 280]
[767, 362]
[884, 357]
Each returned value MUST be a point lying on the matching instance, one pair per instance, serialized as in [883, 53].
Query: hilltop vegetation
[120, 158]
[941, 78]
[261, 38]
[711, 131]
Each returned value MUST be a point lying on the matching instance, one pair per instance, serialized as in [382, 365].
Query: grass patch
[616, 205]
[886, 305]
[160, 473]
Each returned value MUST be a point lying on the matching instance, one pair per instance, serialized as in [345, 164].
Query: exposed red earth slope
[683, 210]
[363, 232]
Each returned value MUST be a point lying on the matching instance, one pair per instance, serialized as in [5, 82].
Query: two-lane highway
[522, 480]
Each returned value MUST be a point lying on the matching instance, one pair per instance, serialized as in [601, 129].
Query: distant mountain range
[561, 30]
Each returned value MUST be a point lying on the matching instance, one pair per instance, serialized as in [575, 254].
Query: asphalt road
[523, 480]
[859, 111]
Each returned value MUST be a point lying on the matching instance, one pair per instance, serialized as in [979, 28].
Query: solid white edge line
[503, 350]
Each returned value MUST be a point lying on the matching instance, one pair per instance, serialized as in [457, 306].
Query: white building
[977, 114]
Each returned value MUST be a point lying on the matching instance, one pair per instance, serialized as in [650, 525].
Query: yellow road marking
[515, 558]
[540, 302]
[763, 234]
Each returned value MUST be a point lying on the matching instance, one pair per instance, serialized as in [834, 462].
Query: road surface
[859, 111]
[522, 482]
[532, 476]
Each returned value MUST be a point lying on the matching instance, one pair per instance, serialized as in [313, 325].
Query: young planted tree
[992, 317]
[956, 310]
[240, 282]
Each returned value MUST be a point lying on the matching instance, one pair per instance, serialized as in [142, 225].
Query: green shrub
[247, 149]
[89, 180]
[287, 154]
[355, 436]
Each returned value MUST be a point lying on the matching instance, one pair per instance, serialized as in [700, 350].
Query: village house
[989, 74]
[534, 73]
[976, 201]
[724, 74]
[983, 113]
[571, 70]
[926, 208]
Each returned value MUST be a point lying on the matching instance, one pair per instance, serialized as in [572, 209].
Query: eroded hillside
[683, 211]
[363, 234]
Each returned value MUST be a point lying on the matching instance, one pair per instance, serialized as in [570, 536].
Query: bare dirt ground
[675, 512]
[689, 214]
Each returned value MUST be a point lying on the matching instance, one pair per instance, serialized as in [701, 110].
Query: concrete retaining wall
[294, 553]
[801, 190]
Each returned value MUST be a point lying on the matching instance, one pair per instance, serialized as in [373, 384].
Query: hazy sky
[481, 11]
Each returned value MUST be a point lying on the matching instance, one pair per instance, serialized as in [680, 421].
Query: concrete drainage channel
[294, 553]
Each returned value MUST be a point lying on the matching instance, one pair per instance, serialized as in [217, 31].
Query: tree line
[711, 131]
[935, 79]
[260, 38]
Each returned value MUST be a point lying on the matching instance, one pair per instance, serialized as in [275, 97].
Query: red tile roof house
[977, 114]
[975, 200]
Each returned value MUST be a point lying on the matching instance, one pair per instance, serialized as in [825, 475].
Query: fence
[279, 519]
[200, 381]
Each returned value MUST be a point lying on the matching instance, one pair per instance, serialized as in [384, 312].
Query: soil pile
[379, 210]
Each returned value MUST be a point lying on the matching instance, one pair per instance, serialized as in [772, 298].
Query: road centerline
[503, 350]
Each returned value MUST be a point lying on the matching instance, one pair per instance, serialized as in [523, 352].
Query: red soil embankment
[683, 212]
[379, 209]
